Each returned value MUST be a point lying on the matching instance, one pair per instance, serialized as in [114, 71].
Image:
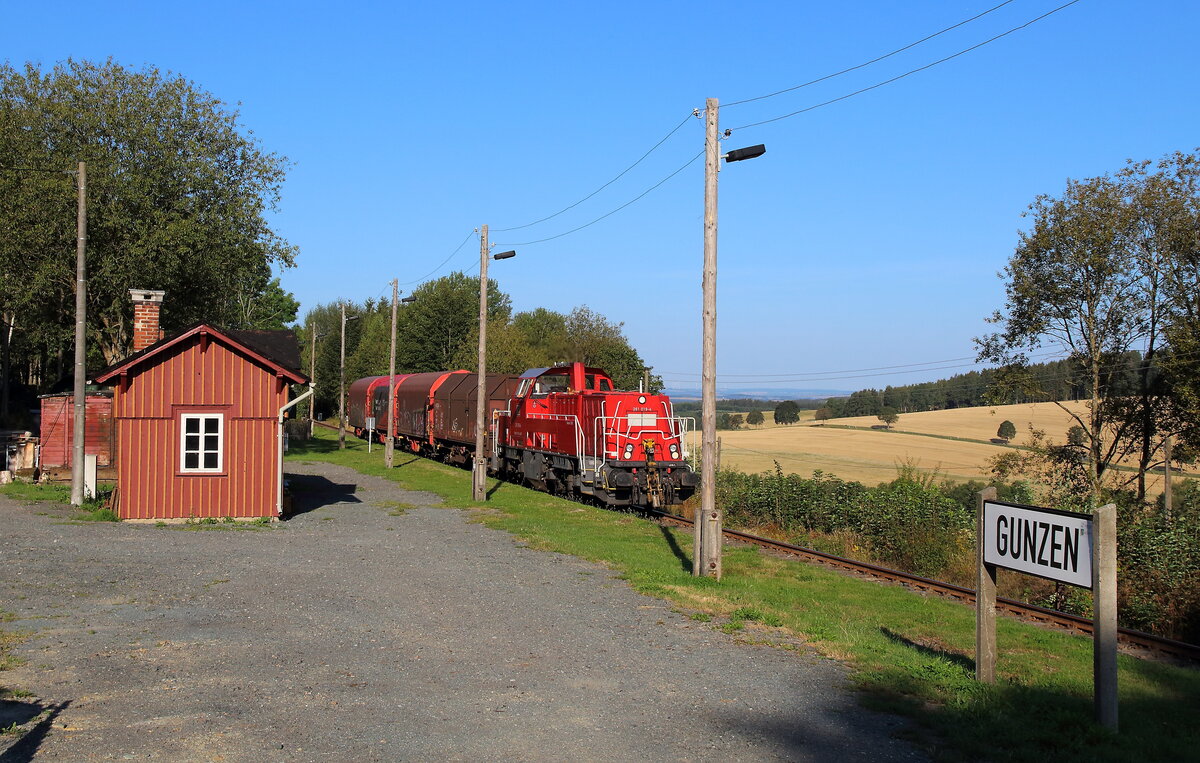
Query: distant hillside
[767, 395]
[1058, 380]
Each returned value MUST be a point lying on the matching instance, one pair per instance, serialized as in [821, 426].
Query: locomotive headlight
[628, 452]
[674, 450]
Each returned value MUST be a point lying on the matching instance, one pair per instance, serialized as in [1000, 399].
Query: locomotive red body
[565, 430]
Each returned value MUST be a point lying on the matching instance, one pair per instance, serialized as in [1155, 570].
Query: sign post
[985, 603]
[370, 427]
[1078, 549]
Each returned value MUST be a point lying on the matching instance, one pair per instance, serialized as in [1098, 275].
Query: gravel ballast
[353, 631]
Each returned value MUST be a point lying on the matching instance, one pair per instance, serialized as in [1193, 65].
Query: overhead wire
[442, 263]
[1057, 376]
[824, 373]
[38, 169]
[907, 73]
[606, 185]
[775, 119]
[618, 209]
[872, 61]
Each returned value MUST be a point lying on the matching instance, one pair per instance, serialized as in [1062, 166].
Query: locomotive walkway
[351, 632]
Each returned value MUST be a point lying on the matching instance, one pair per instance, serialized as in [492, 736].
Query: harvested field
[871, 455]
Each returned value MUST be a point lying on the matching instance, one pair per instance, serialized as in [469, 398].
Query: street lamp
[342, 382]
[479, 470]
[706, 556]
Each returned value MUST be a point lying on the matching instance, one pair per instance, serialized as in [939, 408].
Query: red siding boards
[200, 371]
[57, 434]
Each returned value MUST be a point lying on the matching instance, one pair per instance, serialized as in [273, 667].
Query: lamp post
[342, 382]
[706, 556]
[479, 470]
[389, 449]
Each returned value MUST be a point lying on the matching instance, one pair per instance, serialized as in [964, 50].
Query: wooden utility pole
[312, 376]
[389, 449]
[479, 472]
[708, 525]
[342, 386]
[80, 336]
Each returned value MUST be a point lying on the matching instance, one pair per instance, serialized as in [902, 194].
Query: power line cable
[908, 73]
[833, 378]
[606, 185]
[1054, 377]
[618, 209]
[872, 61]
[822, 373]
[38, 169]
[442, 263]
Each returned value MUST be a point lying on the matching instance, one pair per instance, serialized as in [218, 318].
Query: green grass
[219, 523]
[908, 653]
[27, 491]
[94, 510]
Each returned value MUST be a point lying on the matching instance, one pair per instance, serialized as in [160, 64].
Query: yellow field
[871, 456]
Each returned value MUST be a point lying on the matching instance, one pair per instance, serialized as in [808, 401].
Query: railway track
[1127, 637]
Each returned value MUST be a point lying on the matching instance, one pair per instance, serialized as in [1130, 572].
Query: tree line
[439, 330]
[1055, 380]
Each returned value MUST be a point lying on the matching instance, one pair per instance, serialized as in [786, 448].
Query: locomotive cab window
[201, 442]
[605, 385]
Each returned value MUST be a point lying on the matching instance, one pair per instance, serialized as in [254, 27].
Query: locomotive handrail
[678, 426]
[495, 429]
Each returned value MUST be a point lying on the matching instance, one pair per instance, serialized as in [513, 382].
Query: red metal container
[58, 429]
[359, 402]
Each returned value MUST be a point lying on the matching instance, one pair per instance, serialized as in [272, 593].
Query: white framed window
[202, 442]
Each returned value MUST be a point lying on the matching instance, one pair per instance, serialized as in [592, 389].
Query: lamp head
[750, 152]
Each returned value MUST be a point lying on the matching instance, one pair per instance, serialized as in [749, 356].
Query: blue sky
[870, 234]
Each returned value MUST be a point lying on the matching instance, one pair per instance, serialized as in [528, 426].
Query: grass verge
[908, 653]
[93, 510]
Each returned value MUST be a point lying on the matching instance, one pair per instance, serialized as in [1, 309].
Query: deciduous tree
[1087, 279]
[888, 416]
[178, 196]
[787, 412]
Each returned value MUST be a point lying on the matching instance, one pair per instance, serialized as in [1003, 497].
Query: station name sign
[1045, 542]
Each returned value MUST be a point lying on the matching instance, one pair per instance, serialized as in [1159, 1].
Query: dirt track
[350, 633]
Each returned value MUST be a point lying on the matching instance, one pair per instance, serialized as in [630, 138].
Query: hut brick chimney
[146, 304]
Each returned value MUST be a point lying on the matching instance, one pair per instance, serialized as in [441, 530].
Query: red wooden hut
[199, 420]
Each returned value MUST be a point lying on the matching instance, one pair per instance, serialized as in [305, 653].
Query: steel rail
[1127, 636]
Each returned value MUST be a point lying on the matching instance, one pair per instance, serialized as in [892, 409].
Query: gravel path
[354, 633]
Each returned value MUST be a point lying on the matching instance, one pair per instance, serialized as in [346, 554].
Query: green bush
[928, 529]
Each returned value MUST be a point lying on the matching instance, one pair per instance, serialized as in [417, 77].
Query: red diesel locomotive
[565, 430]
